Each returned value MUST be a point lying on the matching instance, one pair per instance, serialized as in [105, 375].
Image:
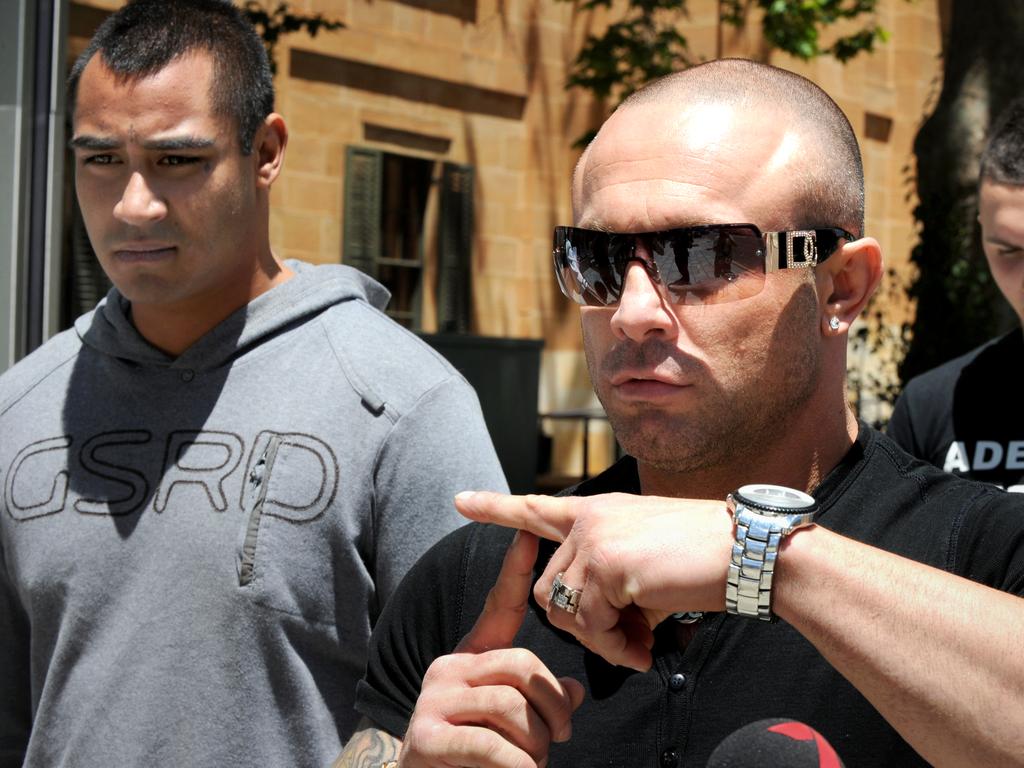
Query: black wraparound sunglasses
[707, 264]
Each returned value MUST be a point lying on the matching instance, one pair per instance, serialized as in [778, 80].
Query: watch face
[775, 497]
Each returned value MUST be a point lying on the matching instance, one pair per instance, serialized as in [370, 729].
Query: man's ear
[846, 281]
[269, 145]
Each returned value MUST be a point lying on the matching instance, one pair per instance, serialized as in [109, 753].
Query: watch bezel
[760, 507]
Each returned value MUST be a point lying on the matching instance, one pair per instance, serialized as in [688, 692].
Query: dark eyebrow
[93, 142]
[171, 144]
[178, 142]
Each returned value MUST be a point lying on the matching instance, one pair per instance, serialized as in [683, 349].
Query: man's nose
[139, 204]
[644, 308]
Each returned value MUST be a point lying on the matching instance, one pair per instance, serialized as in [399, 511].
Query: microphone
[775, 743]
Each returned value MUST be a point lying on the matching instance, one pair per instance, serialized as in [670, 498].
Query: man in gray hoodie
[213, 482]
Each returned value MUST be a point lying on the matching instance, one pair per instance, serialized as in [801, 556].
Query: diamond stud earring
[834, 323]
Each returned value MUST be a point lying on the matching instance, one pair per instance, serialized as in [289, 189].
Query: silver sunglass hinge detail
[801, 250]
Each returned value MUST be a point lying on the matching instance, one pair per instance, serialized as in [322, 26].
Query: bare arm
[369, 747]
[937, 655]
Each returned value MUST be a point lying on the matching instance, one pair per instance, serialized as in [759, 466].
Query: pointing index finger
[549, 517]
[506, 603]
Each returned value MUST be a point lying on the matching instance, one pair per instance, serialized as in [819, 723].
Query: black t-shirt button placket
[669, 758]
[677, 682]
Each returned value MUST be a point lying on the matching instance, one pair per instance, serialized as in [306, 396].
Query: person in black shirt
[657, 617]
[967, 416]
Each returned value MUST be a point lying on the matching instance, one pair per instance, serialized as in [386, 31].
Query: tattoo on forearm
[368, 748]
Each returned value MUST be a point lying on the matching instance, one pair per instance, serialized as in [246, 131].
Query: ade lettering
[988, 455]
[121, 472]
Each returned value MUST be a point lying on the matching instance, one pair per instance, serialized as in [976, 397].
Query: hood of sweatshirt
[108, 329]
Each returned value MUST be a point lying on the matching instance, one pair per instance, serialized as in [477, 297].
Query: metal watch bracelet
[763, 516]
[748, 589]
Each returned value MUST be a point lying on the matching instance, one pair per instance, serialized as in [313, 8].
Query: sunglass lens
[587, 267]
[711, 265]
[698, 265]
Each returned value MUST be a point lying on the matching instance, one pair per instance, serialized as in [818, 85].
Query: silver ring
[566, 598]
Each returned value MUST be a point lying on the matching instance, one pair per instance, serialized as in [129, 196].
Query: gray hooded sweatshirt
[193, 550]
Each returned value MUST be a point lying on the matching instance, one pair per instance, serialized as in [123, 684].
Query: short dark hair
[1003, 158]
[833, 196]
[145, 36]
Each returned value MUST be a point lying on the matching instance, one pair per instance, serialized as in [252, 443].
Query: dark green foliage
[631, 51]
[794, 26]
[646, 43]
[281, 21]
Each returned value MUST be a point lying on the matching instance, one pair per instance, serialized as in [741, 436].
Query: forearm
[937, 655]
[369, 747]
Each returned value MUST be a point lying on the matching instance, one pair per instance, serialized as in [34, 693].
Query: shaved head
[695, 391]
[829, 189]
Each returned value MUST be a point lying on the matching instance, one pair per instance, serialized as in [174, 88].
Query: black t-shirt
[735, 670]
[967, 416]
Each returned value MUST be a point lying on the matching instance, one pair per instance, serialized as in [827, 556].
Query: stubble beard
[746, 411]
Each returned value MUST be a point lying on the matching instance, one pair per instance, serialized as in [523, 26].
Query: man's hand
[488, 704]
[637, 560]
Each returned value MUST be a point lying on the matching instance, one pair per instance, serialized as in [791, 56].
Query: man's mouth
[143, 252]
[628, 376]
[646, 385]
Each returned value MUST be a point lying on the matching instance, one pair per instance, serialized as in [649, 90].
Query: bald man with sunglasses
[759, 552]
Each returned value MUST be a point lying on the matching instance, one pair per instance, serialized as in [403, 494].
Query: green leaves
[794, 26]
[646, 43]
[270, 25]
[629, 53]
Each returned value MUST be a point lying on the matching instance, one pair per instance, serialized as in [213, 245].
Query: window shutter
[363, 176]
[455, 249]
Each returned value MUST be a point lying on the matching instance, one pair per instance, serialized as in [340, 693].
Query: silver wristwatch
[763, 515]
